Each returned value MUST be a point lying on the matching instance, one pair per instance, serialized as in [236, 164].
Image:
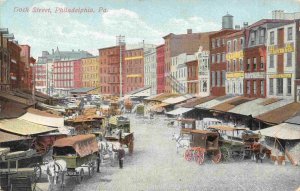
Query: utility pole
[121, 42]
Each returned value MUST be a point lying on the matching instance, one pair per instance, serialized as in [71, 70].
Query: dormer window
[252, 38]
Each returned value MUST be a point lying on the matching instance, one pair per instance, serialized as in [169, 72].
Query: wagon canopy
[83, 144]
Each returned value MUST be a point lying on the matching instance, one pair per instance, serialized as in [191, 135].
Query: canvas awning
[179, 111]
[163, 96]
[225, 128]
[214, 102]
[83, 144]
[174, 100]
[8, 137]
[282, 131]
[23, 127]
[196, 101]
[228, 105]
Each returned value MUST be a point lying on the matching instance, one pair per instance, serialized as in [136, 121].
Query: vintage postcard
[158, 95]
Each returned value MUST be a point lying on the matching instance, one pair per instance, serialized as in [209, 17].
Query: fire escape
[176, 85]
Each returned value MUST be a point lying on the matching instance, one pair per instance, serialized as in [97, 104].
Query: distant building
[160, 70]
[202, 57]
[90, 72]
[4, 61]
[282, 62]
[177, 44]
[280, 14]
[150, 70]
[14, 50]
[192, 77]
[109, 59]
[29, 62]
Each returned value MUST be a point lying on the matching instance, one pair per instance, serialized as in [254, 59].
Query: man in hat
[121, 155]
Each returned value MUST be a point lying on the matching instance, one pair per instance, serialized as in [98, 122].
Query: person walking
[121, 155]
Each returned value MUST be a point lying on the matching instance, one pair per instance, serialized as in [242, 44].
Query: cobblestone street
[156, 166]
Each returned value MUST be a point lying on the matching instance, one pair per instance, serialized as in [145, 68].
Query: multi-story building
[280, 14]
[4, 61]
[109, 70]
[218, 61]
[234, 84]
[14, 50]
[178, 72]
[150, 70]
[255, 56]
[29, 65]
[90, 72]
[192, 77]
[66, 76]
[177, 44]
[202, 57]
[134, 69]
[41, 78]
[282, 62]
[160, 72]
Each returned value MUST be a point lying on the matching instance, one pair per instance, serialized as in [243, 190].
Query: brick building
[15, 72]
[160, 70]
[256, 56]
[282, 62]
[109, 70]
[234, 84]
[218, 61]
[150, 69]
[4, 61]
[192, 77]
[29, 63]
[90, 72]
[177, 44]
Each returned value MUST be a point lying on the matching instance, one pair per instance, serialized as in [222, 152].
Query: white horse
[108, 150]
[53, 170]
[181, 142]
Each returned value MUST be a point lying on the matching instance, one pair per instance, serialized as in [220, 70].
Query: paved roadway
[156, 166]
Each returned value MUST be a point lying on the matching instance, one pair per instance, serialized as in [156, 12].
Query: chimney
[245, 24]
[237, 27]
[189, 31]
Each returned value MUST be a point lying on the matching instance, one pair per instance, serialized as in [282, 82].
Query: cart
[140, 110]
[203, 143]
[232, 145]
[77, 151]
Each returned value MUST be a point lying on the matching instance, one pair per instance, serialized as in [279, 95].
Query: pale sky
[138, 20]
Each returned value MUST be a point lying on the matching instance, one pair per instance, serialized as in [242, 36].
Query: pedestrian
[121, 155]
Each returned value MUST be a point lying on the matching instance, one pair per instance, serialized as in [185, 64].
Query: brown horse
[259, 152]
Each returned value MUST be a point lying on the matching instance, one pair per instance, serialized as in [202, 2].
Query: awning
[225, 128]
[23, 127]
[282, 131]
[196, 101]
[228, 105]
[8, 137]
[179, 111]
[163, 96]
[11, 110]
[174, 100]
[214, 102]
[10, 96]
[281, 114]
[43, 118]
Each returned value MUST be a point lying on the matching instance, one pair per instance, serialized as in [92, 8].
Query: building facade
[177, 44]
[109, 70]
[90, 72]
[29, 65]
[134, 70]
[218, 61]
[160, 71]
[150, 70]
[192, 77]
[234, 84]
[282, 60]
[202, 57]
[14, 51]
[4, 61]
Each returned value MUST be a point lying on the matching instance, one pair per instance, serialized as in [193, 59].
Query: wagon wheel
[226, 153]
[217, 156]
[199, 156]
[188, 155]
[238, 154]
[80, 176]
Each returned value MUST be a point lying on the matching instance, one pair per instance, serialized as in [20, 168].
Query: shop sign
[289, 47]
[235, 75]
[255, 75]
[235, 55]
[280, 75]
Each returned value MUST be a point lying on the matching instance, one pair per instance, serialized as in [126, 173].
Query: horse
[259, 152]
[53, 170]
[181, 142]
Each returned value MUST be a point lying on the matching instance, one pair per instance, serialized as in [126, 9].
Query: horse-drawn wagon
[203, 143]
[77, 151]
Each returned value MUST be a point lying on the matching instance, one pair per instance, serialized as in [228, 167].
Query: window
[234, 65]
[213, 79]
[223, 57]
[262, 65]
[253, 37]
[234, 45]
[223, 77]
[272, 61]
[289, 59]
[241, 65]
[212, 58]
[272, 37]
[262, 88]
[218, 58]
[218, 78]
[213, 43]
[248, 87]
[262, 36]
[279, 86]
[229, 46]
[289, 86]
[254, 87]
[228, 66]
[218, 43]
[254, 63]
[248, 64]
[223, 41]
[290, 33]
[242, 42]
